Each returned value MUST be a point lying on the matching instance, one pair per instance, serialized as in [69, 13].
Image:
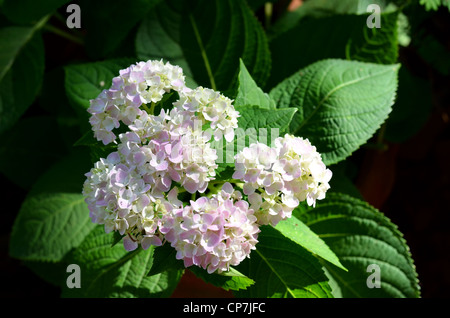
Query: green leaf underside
[360, 235]
[298, 232]
[282, 268]
[340, 103]
[113, 272]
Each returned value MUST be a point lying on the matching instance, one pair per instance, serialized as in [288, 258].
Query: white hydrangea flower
[213, 107]
[141, 83]
[277, 179]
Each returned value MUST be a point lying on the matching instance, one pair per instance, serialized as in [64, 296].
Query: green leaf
[26, 11]
[206, 38]
[225, 171]
[434, 4]
[341, 104]
[252, 116]
[113, 272]
[54, 218]
[360, 235]
[255, 124]
[86, 81]
[15, 154]
[109, 22]
[347, 37]
[301, 234]
[49, 225]
[376, 45]
[231, 280]
[164, 259]
[248, 93]
[158, 37]
[96, 148]
[21, 71]
[282, 268]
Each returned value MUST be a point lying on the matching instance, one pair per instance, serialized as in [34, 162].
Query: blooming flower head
[213, 233]
[212, 107]
[277, 179]
[141, 83]
[121, 198]
[134, 190]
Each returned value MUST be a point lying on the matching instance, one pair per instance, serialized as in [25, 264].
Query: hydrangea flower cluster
[135, 189]
[213, 107]
[213, 233]
[142, 83]
[277, 179]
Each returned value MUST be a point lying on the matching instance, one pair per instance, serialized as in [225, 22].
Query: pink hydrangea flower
[213, 233]
[141, 83]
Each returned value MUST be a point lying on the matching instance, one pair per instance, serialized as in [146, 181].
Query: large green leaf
[341, 104]
[49, 225]
[301, 234]
[206, 38]
[252, 116]
[86, 81]
[282, 268]
[159, 37]
[21, 71]
[53, 218]
[109, 22]
[360, 236]
[26, 11]
[347, 36]
[111, 271]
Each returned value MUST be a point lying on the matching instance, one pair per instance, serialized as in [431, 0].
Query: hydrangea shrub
[134, 190]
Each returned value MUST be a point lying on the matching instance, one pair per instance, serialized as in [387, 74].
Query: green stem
[203, 52]
[63, 34]
[149, 110]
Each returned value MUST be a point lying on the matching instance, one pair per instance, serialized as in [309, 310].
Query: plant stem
[63, 34]
[148, 110]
